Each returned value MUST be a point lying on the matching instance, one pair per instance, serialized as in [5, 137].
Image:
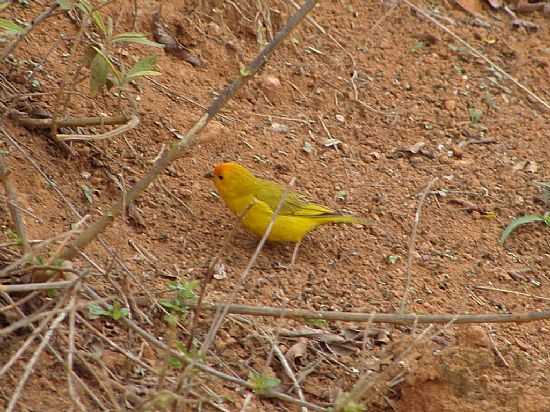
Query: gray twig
[412, 241]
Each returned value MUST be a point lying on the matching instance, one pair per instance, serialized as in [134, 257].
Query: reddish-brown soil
[484, 140]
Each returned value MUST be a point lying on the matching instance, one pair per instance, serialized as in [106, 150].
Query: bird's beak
[209, 175]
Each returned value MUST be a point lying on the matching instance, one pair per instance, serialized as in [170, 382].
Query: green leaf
[98, 77]
[110, 65]
[97, 18]
[118, 312]
[185, 290]
[10, 27]
[138, 38]
[174, 362]
[475, 115]
[109, 28]
[318, 323]
[354, 407]
[84, 6]
[174, 306]
[514, 224]
[143, 67]
[392, 259]
[96, 311]
[114, 311]
[66, 4]
[88, 193]
[263, 384]
[52, 293]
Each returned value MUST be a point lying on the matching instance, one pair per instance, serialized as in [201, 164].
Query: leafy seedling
[262, 384]
[475, 115]
[185, 293]
[317, 323]
[354, 407]
[523, 220]
[10, 28]
[114, 311]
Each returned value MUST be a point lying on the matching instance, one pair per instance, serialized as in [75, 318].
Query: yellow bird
[254, 200]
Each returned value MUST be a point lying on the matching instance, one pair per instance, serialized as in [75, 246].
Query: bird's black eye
[220, 177]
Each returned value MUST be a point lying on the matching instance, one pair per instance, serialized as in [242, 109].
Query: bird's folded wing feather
[295, 204]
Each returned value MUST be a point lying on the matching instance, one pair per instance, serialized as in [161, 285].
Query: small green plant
[475, 115]
[419, 45]
[523, 220]
[262, 384]
[317, 323]
[392, 259]
[114, 311]
[185, 293]
[354, 407]
[14, 237]
[100, 58]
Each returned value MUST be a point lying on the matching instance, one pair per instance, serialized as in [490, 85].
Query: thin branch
[412, 240]
[37, 286]
[34, 123]
[290, 373]
[178, 149]
[13, 207]
[397, 318]
[131, 124]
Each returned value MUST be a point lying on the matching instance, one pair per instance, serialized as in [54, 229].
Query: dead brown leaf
[471, 6]
[296, 351]
[495, 4]
[172, 46]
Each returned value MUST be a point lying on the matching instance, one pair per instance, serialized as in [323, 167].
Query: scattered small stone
[307, 147]
[219, 271]
[279, 128]
[340, 118]
[450, 105]
[213, 29]
[270, 82]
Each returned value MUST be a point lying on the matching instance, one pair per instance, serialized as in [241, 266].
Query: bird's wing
[295, 203]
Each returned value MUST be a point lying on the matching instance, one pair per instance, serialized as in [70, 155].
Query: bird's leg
[295, 253]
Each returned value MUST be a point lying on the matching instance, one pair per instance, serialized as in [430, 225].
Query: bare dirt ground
[364, 117]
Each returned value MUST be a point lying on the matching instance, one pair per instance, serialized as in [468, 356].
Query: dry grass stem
[513, 292]
[13, 207]
[412, 240]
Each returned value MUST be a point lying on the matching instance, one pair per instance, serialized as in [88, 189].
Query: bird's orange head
[232, 179]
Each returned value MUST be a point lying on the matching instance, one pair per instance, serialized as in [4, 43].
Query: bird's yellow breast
[256, 219]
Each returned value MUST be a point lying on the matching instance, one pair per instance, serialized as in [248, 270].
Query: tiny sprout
[262, 384]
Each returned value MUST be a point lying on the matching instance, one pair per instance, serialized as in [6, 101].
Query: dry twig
[13, 206]
[412, 241]
[395, 318]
